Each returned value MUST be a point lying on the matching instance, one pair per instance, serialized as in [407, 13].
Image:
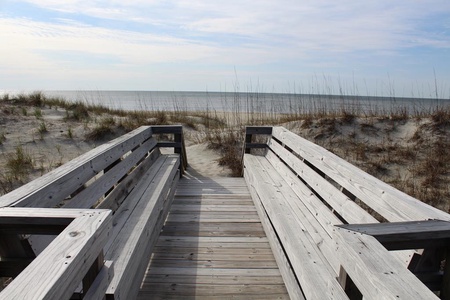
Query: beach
[408, 151]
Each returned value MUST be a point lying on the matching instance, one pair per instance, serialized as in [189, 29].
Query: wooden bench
[127, 178]
[314, 205]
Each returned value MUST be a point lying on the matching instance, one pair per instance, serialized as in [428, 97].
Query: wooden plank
[225, 253]
[213, 229]
[217, 232]
[215, 214]
[98, 287]
[346, 208]
[267, 130]
[62, 265]
[255, 146]
[215, 201]
[89, 196]
[307, 262]
[407, 235]
[195, 256]
[212, 263]
[316, 218]
[376, 273]
[179, 146]
[167, 129]
[169, 144]
[383, 198]
[122, 215]
[212, 279]
[130, 248]
[215, 272]
[283, 263]
[178, 242]
[168, 227]
[236, 218]
[188, 208]
[220, 297]
[213, 290]
[224, 240]
[53, 187]
[142, 267]
[343, 205]
[125, 189]
[213, 250]
[118, 195]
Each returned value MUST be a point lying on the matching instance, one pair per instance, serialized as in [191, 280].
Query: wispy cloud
[269, 35]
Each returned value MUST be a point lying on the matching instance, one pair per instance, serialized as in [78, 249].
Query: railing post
[248, 140]
[255, 130]
[178, 143]
[248, 143]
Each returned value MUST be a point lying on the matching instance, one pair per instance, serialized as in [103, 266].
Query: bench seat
[303, 193]
[128, 176]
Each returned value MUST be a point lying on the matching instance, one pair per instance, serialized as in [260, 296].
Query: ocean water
[248, 102]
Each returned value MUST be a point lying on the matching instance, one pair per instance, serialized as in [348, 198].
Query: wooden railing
[106, 252]
[178, 141]
[312, 204]
[75, 256]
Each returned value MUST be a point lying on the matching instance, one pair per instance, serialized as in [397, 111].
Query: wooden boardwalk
[213, 246]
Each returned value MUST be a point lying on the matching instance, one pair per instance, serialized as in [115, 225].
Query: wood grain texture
[53, 187]
[99, 286]
[376, 273]
[289, 278]
[62, 265]
[90, 196]
[391, 203]
[209, 255]
[306, 259]
[131, 246]
[406, 235]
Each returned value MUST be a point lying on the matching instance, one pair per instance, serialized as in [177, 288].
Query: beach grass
[407, 148]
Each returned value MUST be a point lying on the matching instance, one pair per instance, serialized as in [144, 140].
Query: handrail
[178, 143]
[250, 131]
[75, 256]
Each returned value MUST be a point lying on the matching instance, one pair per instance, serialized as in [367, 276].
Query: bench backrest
[344, 188]
[333, 196]
[129, 176]
[89, 178]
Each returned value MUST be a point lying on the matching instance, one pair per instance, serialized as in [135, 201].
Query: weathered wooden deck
[130, 228]
[213, 246]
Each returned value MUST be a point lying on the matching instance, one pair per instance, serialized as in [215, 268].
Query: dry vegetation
[410, 151]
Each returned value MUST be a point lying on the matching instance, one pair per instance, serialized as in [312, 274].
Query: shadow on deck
[212, 246]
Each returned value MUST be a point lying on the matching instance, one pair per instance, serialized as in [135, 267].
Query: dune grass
[376, 140]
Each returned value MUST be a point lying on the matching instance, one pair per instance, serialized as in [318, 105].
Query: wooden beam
[305, 257]
[374, 270]
[253, 130]
[58, 270]
[101, 282]
[406, 235]
[267, 130]
[130, 248]
[52, 188]
[389, 202]
[255, 146]
[167, 129]
[290, 280]
[88, 197]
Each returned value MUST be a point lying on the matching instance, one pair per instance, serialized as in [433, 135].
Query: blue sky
[321, 46]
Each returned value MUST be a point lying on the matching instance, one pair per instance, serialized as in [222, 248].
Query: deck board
[213, 246]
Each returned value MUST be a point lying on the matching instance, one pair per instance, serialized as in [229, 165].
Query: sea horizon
[250, 101]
